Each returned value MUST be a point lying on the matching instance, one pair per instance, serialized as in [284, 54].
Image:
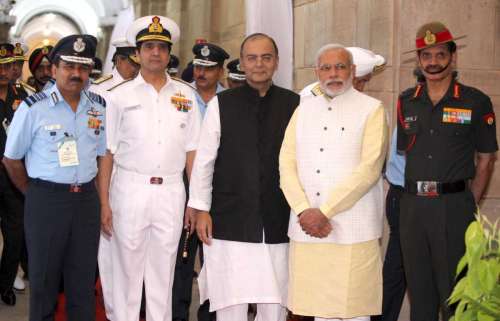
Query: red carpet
[99, 306]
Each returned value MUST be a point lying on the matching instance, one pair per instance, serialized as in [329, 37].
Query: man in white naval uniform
[242, 216]
[125, 67]
[367, 64]
[330, 171]
[153, 134]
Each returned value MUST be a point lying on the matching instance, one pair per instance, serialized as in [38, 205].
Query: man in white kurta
[242, 216]
[152, 138]
[330, 165]
[367, 64]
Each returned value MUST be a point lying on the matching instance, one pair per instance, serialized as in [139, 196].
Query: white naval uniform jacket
[329, 137]
[102, 88]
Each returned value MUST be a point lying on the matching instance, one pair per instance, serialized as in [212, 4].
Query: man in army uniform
[447, 132]
[153, 132]
[17, 68]
[40, 66]
[11, 199]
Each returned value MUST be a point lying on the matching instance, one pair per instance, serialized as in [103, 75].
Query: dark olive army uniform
[440, 142]
[11, 199]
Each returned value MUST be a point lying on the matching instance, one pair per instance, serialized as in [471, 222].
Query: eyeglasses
[328, 67]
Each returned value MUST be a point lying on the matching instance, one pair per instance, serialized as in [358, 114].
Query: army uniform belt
[72, 188]
[434, 188]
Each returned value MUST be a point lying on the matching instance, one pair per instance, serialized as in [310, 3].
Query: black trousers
[62, 237]
[394, 286]
[432, 240]
[11, 223]
[183, 282]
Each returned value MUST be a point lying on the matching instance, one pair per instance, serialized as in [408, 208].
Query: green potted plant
[478, 292]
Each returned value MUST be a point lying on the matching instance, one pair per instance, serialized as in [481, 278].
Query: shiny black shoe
[8, 297]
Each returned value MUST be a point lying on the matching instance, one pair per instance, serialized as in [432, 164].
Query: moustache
[201, 78]
[76, 79]
[335, 80]
[436, 69]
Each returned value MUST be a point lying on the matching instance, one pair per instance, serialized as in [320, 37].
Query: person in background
[11, 199]
[40, 67]
[173, 66]
[235, 76]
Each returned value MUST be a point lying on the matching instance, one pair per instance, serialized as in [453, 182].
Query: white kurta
[233, 272]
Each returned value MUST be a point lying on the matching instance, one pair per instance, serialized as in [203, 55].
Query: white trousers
[352, 319]
[147, 224]
[106, 274]
[265, 312]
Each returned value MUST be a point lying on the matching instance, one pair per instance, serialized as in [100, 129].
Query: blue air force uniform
[62, 214]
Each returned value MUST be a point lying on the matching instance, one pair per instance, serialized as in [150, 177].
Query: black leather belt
[397, 187]
[72, 188]
[433, 188]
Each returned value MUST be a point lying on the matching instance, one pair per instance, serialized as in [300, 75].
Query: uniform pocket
[456, 130]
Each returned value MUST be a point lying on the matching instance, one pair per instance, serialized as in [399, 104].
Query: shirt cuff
[199, 205]
[324, 209]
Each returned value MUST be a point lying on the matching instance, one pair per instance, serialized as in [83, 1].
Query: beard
[345, 85]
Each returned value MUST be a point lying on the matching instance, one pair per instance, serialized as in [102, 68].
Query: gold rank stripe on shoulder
[182, 81]
[119, 84]
[25, 85]
[102, 79]
[317, 91]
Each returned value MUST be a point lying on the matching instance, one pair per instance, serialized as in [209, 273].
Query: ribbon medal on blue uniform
[94, 123]
[181, 103]
[457, 115]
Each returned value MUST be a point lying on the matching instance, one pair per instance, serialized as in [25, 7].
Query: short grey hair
[332, 47]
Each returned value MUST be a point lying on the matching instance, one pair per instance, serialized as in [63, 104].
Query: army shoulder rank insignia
[181, 103]
[457, 115]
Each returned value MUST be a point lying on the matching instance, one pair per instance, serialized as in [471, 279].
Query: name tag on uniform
[68, 153]
[52, 127]
[457, 115]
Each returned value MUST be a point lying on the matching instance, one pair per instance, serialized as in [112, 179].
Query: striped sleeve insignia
[30, 100]
[97, 98]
